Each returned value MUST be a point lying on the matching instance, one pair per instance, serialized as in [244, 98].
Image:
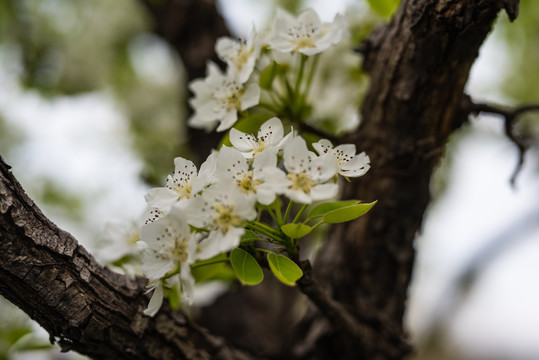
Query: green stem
[302, 62]
[209, 263]
[278, 212]
[300, 212]
[277, 221]
[268, 231]
[311, 73]
[287, 212]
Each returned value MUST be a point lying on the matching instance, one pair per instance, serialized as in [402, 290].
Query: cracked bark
[83, 306]
[418, 64]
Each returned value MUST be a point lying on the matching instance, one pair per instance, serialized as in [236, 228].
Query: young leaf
[347, 213]
[246, 267]
[284, 269]
[384, 7]
[296, 231]
[324, 208]
[249, 236]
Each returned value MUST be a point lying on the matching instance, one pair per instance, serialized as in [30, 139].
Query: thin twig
[510, 115]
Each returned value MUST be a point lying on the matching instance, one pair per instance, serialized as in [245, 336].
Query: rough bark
[418, 64]
[83, 306]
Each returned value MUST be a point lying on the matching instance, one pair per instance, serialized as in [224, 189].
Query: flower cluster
[200, 214]
[221, 211]
[271, 70]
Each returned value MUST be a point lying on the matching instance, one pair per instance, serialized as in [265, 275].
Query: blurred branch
[83, 306]
[393, 344]
[510, 115]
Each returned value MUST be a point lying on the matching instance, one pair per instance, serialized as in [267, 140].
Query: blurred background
[92, 115]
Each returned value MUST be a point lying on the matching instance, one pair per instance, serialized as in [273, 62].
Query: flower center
[301, 181]
[226, 217]
[180, 249]
[247, 184]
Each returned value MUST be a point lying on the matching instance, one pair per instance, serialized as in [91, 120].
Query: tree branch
[510, 116]
[83, 306]
[387, 340]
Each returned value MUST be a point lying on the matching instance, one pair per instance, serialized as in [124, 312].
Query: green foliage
[216, 268]
[347, 213]
[324, 208]
[284, 269]
[296, 231]
[246, 267]
[385, 8]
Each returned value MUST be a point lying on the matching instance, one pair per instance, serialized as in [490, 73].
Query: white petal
[271, 130]
[324, 191]
[228, 121]
[241, 141]
[323, 167]
[251, 96]
[156, 301]
[162, 198]
[232, 163]
[298, 196]
[323, 146]
[296, 155]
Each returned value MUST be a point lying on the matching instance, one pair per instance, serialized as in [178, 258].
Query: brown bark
[418, 64]
[83, 306]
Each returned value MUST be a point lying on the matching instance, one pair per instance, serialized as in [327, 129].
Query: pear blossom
[308, 173]
[218, 98]
[349, 164]
[167, 242]
[263, 180]
[239, 54]
[168, 246]
[181, 185]
[306, 34]
[223, 210]
[270, 135]
[119, 243]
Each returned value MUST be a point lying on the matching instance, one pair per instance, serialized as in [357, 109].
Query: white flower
[181, 185]
[349, 163]
[306, 34]
[264, 180]
[222, 209]
[218, 98]
[167, 242]
[240, 55]
[269, 136]
[307, 173]
[169, 246]
[119, 242]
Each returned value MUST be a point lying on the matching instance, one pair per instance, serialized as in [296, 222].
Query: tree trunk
[418, 65]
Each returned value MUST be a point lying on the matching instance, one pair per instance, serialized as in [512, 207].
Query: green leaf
[267, 75]
[246, 267]
[324, 208]
[385, 8]
[249, 236]
[347, 213]
[296, 231]
[212, 271]
[284, 269]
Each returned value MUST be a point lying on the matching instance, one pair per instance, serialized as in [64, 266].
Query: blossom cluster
[200, 214]
[288, 53]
